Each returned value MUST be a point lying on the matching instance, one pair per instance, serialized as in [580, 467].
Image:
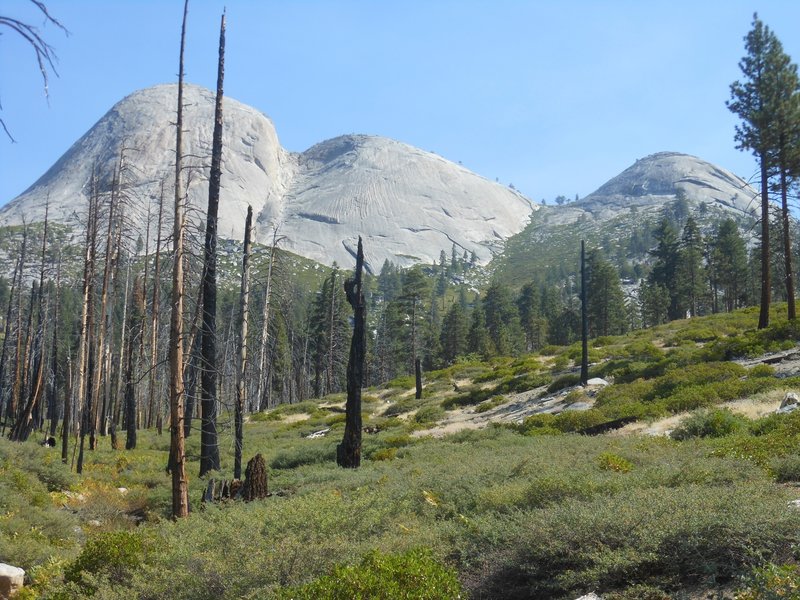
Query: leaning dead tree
[180, 494]
[348, 453]
[244, 313]
[209, 448]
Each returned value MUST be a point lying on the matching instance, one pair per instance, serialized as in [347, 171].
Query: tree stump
[255, 479]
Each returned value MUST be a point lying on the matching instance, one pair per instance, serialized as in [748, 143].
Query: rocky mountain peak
[407, 204]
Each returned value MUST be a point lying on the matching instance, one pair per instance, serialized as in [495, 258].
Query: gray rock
[407, 204]
[789, 404]
[11, 581]
[590, 596]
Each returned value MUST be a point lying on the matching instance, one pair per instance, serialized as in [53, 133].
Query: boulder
[597, 381]
[11, 580]
[790, 403]
[589, 596]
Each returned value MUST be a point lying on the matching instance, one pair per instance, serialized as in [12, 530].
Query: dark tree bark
[209, 448]
[244, 313]
[787, 242]
[255, 479]
[180, 497]
[348, 453]
[86, 366]
[151, 387]
[7, 334]
[766, 286]
[136, 321]
[418, 378]
[13, 401]
[57, 378]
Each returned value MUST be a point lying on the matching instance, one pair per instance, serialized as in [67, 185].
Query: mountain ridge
[320, 200]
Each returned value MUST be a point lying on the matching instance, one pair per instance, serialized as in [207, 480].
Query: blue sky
[555, 97]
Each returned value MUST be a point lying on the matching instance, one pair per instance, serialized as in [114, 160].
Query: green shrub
[401, 407]
[405, 382]
[772, 582]
[786, 468]
[608, 461]
[638, 592]
[114, 555]
[429, 414]
[767, 424]
[261, 417]
[715, 423]
[564, 381]
[336, 419]
[414, 574]
[473, 396]
[762, 370]
[491, 403]
[575, 420]
[661, 534]
[311, 452]
[383, 454]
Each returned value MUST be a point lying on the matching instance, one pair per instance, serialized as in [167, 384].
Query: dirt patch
[752, 408]
[296, 418]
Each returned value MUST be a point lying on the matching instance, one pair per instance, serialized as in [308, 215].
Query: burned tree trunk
[180, 497]
[209, 449]
[53, 395]
[255, 479]
[263, 383]
[418, 378]
[151, 386]
[25, 424]
[348, 453]
[7, 334]
[134, 334]
[13, 400]
[244, 312]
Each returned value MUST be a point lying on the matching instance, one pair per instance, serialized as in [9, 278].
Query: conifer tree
[605, 302]
[756, 100]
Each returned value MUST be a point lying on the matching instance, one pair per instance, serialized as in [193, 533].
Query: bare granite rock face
[11, 581]
[660, 177]
[655, 181]
[406, 203]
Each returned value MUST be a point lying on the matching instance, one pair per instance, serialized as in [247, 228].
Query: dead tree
[88, 273]
[348, 453]
[209, 448]
[53, 397]
[102, 321]
[25, 424]
[244, 313]
[180, 498]
[134, 333]
[7, 334]
[13, 401]
[123, 356]
[263, 369]
[86, 357]
[151, 387]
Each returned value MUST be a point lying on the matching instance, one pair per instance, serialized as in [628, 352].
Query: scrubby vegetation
[520, 510]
